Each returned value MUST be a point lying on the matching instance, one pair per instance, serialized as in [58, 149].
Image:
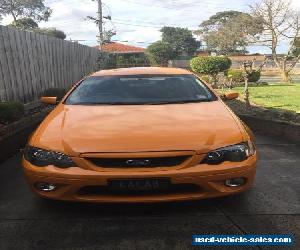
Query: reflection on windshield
[141, 89]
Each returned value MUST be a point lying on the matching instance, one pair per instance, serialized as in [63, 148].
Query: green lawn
[280, 95]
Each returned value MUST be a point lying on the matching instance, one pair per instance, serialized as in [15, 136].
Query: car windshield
[139, 89]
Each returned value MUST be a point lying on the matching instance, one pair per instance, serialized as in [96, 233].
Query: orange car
[140, 135]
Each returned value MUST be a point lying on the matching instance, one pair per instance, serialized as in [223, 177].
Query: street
[276, 79]
[271, 207]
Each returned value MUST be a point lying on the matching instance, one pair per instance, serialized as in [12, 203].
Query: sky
[137, 22]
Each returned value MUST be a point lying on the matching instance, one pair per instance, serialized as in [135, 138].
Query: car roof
[142, 71]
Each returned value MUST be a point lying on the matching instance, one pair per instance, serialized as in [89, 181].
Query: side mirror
[49, 100]
[229, 96]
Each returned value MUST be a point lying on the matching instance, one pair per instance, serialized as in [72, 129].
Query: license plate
[139, 185]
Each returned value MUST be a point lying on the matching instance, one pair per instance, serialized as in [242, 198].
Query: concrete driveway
[271, 207]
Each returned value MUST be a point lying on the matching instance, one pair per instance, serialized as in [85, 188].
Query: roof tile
[120, 48]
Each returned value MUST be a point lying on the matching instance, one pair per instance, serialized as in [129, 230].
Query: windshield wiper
[104, 103]
[179, 102]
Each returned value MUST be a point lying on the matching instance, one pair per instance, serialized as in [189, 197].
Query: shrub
[236, 75]
[11, 111]
[159, 53]
[254, 76]
[142, 60]
[205, 78]
[25, 23]
[210, 65]
[52, 32]
[106, 61]
[58, 92]
[120, 61]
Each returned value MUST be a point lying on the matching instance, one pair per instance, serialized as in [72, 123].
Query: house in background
[126, 55]
[237, 60]
[258, 59]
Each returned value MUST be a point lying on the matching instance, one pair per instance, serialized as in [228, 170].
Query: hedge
[11, 111]
[210, 65]
[254, 76]
[236, 75]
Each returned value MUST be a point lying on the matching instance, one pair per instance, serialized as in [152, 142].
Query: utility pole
[100, 24]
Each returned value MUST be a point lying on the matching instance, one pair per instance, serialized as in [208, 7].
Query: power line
[115, 40]
[139, 3]
[147, 22]
[180, 5]
[108, 8]
[63, 1]
[138, 25]
[153, 5]
[145, 25]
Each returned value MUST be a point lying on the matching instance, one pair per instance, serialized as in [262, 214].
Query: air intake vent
[149, 162]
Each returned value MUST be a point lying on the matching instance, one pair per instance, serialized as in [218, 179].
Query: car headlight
[41, 158]
[234, 153]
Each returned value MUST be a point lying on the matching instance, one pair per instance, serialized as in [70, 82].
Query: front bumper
[209, 180]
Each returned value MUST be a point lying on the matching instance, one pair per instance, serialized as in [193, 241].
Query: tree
[34, 9]
[159, 53]
[280, 24]
[25, 23]
[181, 40]
[52, 32]
[251, 75]
[226, 32]
[107, 35]
[210, 65]
[296, 47]
[29, 24]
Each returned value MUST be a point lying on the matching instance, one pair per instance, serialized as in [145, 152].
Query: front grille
[173, 189]
[149, 162]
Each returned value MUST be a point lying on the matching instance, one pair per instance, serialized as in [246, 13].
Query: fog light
[235, 182]
[45, 187]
